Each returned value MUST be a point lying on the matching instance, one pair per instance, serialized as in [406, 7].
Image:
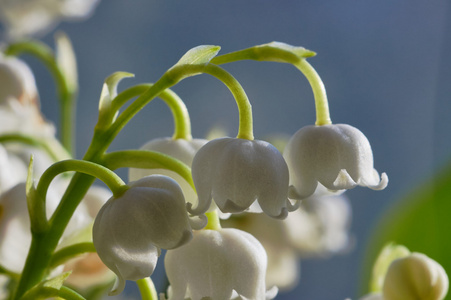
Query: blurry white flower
[336, 156]
[12, 170]
[412, 276]
[129, 230]
[29, 17]
[17, 82]
[15, 233]
[224, 264]
[236, 172]
[319, 228]
[181, 149]
[415, 277]
[19, 100]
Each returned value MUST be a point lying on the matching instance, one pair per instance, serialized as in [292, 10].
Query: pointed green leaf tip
[388, 254]
[200, 55]
[109, 92]
[282, 52]
[46, 289]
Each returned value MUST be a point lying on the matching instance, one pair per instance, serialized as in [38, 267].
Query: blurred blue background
[385, 64]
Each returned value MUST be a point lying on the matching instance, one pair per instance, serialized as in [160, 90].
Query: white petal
[215, 263]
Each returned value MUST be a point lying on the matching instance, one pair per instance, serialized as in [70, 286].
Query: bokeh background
[385, 64]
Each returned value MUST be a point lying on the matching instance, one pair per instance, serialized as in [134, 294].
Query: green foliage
[420, 221]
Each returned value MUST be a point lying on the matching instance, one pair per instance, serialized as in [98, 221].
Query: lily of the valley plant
[57, 228]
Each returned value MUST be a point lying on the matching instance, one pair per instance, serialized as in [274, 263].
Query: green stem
[114, 182]
[213, 220]
[319, 92]
[69, 294]
[66, 95]
[182, 124]
[147, 289]
[286, 55]
[170, 78]
[245, 129]
[51, 146]
[146, 160]
[66, 253]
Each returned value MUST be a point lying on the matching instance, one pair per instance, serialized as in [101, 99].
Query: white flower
[236, 172]
[217, 263]
[29, 17]
[336, 156]
[415, 276]
[19, 100]
[181, 149]
[319, 228]
[17, 82]
[130, 230]
[12, 170]
[15, 233]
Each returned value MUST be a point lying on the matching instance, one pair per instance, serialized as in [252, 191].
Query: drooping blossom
[129, 230]
[30, 17]
[218, 264]
[318, 229]
[336, 156]
[237, 172]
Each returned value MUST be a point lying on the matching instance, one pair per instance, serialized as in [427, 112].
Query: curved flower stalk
[217, 263]
[336, 156]
[236, 172]
[181, 149]
[319, 228]
[129, 230]
[25, 18]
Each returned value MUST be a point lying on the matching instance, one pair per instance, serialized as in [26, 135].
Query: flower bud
[336, 156]
[415, 277]
[215, 264]
[129, 230]
[236, 172]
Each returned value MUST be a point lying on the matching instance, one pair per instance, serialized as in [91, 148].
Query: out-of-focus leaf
[421, 221]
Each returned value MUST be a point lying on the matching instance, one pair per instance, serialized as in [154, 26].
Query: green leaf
[66, 61]
[274, 51]
[420, 221]
[52, 288]
[109, 92]
[200, 55]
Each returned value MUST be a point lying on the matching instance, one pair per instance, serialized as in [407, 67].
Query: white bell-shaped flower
[415, 276]
[129, 230]
[218, 265]
[17, 82]
[236, 172]
[336, 156]
[19, 100]
[319, 228]
[29, 17]
[181, 149]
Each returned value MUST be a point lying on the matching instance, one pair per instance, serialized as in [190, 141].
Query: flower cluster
[234, 215]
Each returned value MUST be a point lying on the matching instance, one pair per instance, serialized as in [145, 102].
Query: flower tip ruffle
[118, 287]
